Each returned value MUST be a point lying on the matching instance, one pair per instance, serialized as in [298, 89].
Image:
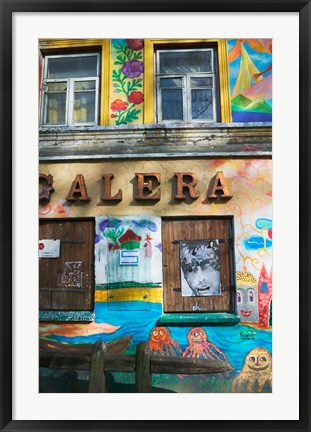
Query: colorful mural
[200, 347]
[250, 69]
[161, 343]
[128, 298]
[127, 81]
[256, 374]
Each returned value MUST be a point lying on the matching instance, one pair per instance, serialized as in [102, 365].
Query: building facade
[155, 206]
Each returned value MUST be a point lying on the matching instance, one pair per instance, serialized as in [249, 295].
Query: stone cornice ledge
[156, 141]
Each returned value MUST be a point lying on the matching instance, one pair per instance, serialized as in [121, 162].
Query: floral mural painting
[250, 68]
[127, 78]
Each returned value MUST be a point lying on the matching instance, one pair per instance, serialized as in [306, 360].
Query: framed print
[154, 261]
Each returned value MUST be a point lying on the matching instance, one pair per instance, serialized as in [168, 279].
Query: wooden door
[67, 282]
[177, 229]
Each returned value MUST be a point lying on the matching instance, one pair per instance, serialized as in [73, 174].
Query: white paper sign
[49, 248]
[129, 257]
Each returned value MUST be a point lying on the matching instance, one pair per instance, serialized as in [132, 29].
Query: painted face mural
[160, 342]
[256, 375]
[201, 347]
[247, 304]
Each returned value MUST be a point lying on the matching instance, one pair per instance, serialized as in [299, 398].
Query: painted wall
[250, 74]
[126, 94]
[250, 70]
[127, 310]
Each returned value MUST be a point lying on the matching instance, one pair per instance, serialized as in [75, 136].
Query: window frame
[70, 92]
[186, 86]
[223, 70]
[63, 46]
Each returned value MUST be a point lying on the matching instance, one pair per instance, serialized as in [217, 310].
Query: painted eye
[155, 333]
[251, 296]
[196, 334]
[238, 297]
[252, 359]
[263, 359]
[161, 333]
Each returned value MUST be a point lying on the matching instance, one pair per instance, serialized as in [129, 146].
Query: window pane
[71, 67]
[56, 86]
[202, 82]
[55, 108]
[84, 85]
[172, 106]
[170, 82]
[84, 107]
[185, 61]
[202, 104]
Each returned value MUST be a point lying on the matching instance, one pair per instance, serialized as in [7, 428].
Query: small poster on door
[200, 268]
[49, 248]
[129, 257]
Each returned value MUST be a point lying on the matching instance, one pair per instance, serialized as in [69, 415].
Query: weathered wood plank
[70, 361]
[74, 361]
[143, 369]
[97, 380]
[181, 365]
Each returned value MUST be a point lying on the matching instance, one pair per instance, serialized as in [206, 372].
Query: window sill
[217, 318]
[66, 316]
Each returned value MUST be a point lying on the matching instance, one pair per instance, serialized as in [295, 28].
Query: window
[66, 281]
[70, 89]
[186, 81]
[220, 72]
[198, 265]
[264, 287]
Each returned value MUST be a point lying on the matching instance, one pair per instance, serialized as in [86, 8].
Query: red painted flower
[136, 97]
[113, 116]
[118, 105]
[135, 44]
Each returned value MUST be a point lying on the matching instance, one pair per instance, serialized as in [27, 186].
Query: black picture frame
[8, 7]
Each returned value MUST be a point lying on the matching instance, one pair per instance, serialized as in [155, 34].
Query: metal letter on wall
[147, 185]
[107, 189]
[220, 187]
[78, 188]
[181, 185]
[47, 189]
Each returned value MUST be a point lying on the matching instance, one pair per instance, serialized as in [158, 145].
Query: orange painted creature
[160, 342]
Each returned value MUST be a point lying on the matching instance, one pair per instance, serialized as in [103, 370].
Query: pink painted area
[262, 89]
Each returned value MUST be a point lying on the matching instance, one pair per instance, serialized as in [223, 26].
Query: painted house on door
[156, 181]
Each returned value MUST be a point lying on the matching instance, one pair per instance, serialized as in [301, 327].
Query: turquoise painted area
[264, 223]
[140, 323]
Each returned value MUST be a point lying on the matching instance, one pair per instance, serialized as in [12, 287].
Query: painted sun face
[247, 304]
[258, 359]
[160, 335]
[197, 336]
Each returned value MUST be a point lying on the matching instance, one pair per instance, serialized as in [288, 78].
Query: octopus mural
[201, 347]
[256, 374]
[161, 342]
